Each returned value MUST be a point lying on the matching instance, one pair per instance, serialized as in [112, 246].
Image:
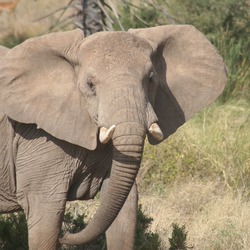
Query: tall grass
[236, 53]
[200, 178]
[213, 145]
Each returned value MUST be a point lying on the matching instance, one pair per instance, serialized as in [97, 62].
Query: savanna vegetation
[194, 187]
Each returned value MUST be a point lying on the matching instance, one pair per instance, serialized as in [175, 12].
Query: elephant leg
[121, 234]
[44, 222]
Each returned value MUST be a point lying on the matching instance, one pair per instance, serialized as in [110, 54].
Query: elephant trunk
[128, 141]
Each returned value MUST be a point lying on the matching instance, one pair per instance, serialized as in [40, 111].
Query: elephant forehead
[117, 48]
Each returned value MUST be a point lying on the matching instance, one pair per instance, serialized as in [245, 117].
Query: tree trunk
[89, 17]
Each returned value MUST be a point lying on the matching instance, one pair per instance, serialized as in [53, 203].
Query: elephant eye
[91, 85]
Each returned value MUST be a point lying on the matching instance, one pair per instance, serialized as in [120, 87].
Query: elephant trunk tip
[75, 239]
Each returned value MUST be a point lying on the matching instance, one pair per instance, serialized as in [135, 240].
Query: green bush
[145, 240]
[213, 17]
[178, 241]
[13, 232]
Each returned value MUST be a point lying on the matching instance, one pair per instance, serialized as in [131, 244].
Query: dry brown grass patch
[213, 217]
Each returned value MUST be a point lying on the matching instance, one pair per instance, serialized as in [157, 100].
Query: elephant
[74, 115]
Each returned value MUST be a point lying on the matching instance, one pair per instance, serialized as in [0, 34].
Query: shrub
[178, 241]
[145, 240]
[13, 232]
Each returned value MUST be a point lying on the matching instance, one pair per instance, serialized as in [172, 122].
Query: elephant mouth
[105, 134]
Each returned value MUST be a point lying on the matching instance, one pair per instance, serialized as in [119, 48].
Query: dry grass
[213, 217]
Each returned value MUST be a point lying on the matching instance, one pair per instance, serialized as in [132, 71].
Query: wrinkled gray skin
[58, 90]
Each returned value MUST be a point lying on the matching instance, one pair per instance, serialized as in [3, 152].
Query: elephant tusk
[156, 132]
[106, 134]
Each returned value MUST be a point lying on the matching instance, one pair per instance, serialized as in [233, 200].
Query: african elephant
[74, 114]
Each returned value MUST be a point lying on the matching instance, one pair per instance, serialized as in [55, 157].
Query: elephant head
[118, 86]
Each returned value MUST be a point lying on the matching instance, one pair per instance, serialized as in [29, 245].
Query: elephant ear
[191, 73]
[38, 84]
